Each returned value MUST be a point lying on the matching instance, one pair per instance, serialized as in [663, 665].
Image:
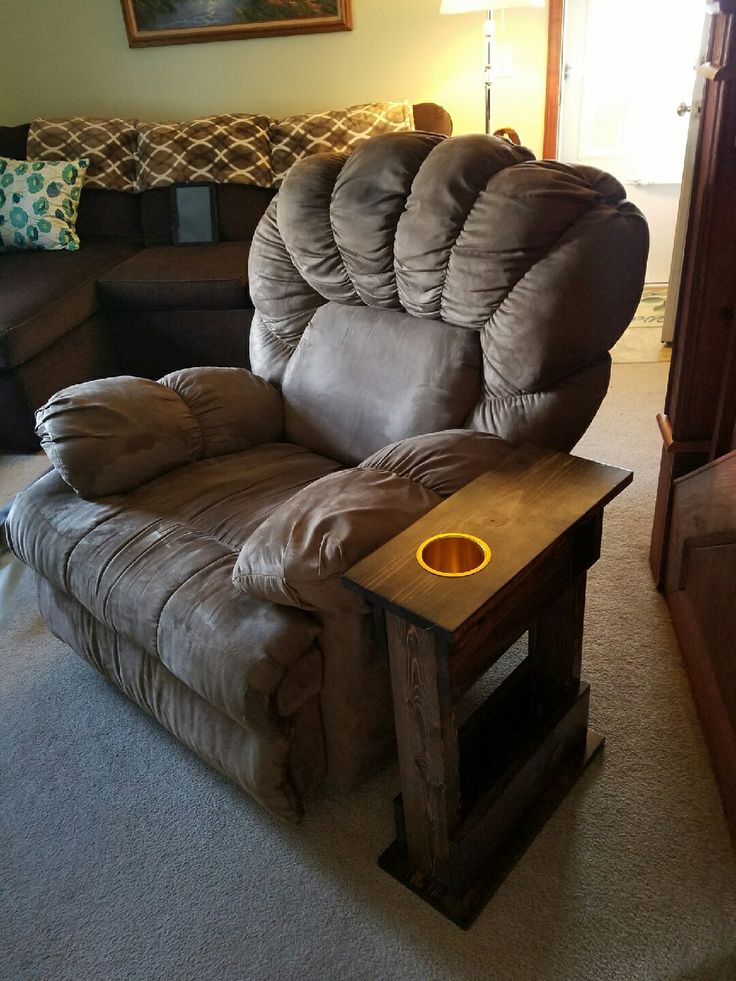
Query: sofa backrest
[102, 214]
[146, 218]
[13, 140]
[239, 209]
[507, 281]
[240, 206]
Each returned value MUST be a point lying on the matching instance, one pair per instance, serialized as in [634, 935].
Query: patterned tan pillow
[339, 129]
[223, 149]
[108, 144]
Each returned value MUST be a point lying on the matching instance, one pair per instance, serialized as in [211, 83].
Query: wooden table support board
[475, 792]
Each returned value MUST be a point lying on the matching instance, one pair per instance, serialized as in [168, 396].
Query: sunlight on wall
[518, 100]
[398, 49]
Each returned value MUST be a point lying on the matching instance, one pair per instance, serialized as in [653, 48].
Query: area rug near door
[650, 312]
[640, 344]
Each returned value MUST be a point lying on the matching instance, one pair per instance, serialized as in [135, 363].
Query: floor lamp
[466, 6]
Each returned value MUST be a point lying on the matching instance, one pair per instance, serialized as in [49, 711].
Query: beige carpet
[125, 857]
[17, 470]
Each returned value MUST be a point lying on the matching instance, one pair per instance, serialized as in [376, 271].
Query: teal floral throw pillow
[38, 203]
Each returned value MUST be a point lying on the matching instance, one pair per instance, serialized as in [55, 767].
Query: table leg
[556, 639]
[427, 748]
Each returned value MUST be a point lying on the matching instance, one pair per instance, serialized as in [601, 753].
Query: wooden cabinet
[693, 551]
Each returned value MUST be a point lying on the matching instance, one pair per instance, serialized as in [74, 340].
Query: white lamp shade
[466, 6]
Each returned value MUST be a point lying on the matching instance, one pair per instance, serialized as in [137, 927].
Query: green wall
[66, 57]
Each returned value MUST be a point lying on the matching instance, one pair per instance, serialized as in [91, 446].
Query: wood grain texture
[474, 795]
[711, 585]
[702, 360]
[694, 526]
[520, 509]
[427, 747]
[506, 615]
[550, 744]
[715, 718]
[554, 78]
[463, 903]
[556, 638]
[701, 592]
[704, 503]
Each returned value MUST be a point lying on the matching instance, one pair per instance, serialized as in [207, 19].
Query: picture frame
[159, 22]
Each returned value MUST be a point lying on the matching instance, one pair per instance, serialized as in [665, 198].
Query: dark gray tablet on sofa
[194, 214]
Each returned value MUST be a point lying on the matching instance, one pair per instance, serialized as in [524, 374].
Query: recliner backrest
[426, 283]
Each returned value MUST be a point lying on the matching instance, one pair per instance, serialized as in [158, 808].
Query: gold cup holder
[453, 554]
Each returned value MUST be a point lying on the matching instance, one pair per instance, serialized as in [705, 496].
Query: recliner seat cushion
[187, 277]
[45, 294]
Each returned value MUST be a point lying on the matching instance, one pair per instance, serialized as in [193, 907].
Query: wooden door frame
[554, 66]
[554, 78]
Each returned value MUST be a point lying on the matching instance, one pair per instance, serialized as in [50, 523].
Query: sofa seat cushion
[156, 567]
[186, 277]
[46, 294]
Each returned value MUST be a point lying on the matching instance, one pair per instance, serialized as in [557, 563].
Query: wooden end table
[474, 793]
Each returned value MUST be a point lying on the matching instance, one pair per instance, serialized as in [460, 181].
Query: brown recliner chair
[420, 305]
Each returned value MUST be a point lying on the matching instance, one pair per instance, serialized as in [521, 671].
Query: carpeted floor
[125, 857]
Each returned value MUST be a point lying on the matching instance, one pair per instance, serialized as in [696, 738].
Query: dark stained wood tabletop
[520, 509]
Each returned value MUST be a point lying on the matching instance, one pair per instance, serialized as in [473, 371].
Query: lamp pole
[488, 31]
[469, 6]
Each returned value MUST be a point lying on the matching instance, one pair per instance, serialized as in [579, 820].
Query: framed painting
[151, 22]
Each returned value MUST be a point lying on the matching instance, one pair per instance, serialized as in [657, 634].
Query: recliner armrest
[296, 556]
[444, 462]
[111, 435]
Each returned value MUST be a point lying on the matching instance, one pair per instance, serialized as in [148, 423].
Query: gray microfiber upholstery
[111, 435]
[522, 273]
[301, 549]
[153, 568]
[325, 411]
[420, 305]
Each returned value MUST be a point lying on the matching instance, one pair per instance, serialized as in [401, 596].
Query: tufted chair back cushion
[362, 378]
[426, 283]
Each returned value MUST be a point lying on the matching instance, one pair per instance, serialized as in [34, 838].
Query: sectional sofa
[129, 301]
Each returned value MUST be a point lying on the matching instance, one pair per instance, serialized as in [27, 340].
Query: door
[626, 89]
[693, 553]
